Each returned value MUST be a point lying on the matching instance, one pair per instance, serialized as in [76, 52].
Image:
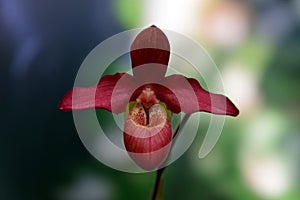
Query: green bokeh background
[43, 45]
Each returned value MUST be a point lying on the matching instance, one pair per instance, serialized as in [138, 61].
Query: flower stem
[157, 192]
[181, 125]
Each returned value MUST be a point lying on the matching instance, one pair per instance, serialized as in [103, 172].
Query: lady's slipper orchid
[149, 95]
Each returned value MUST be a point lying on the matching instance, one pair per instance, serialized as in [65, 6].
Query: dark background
[42, 45]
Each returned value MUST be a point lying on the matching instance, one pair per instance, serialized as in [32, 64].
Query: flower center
[147, 111]
[147, 98]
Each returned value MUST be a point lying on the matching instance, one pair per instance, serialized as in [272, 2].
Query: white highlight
[267, 176]
[179, 15]
[242, 86]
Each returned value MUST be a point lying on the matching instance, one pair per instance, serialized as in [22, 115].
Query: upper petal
[150, 46]
[186, 95]
[101, 95]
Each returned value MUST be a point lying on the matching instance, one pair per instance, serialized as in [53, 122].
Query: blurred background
[256, 46]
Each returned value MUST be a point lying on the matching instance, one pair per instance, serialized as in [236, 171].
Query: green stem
[181, 125]
[158, 182]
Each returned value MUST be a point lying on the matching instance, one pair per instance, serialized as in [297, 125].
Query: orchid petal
[100, 95]
[150, 46]
[182, 94]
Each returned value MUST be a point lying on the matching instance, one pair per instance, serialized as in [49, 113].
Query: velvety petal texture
[100, 95]
[150, 46]
[183, 94]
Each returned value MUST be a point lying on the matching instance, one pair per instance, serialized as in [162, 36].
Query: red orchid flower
[147, 128]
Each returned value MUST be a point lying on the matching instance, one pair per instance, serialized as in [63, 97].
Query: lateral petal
[183, 94]
[101, 95]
